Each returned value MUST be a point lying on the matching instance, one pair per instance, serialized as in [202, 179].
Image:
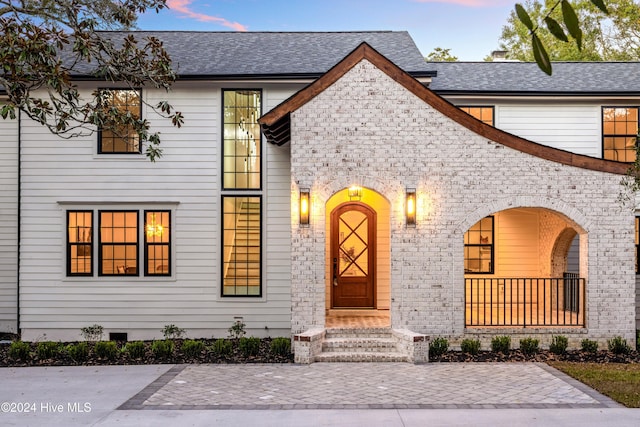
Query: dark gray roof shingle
[526, 77]
[277, 53]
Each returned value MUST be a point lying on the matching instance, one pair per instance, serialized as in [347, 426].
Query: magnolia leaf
[524, 16]
[555, 29]
[571, 22]
[600, 5]
[540, 54]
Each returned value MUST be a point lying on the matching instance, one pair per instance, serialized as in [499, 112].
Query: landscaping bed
[228, 350]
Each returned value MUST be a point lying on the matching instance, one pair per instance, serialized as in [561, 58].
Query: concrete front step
[361, 356]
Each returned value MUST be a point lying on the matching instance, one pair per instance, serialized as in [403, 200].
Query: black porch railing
[525, 302]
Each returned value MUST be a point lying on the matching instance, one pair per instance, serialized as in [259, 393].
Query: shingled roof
[276, 54]
[569, 78]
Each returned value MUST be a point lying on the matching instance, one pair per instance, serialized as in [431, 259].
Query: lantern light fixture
[304, 206]
[410, 207]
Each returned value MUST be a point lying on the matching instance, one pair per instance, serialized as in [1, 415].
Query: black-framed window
[79, 243]
[619, 133]
[157, 243]
[121, 139]
[242, 246]
[479, 247]
[484, 113]
[242, 139]
[118, 243]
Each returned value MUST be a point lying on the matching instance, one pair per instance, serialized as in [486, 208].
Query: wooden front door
[353, 256]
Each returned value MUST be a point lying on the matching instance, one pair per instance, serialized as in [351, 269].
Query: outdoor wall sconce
[304, 206]
[410, 206]
[355, 193]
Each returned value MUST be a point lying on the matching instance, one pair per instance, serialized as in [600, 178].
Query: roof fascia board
[364, 51]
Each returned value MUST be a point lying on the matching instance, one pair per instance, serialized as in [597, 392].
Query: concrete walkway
[321, 394]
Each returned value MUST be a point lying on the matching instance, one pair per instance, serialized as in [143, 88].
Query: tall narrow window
[478, 247]
[484, 114]
[121, 138]
[157, 243]
[242, 136]
[619, 133]
[118, 243]
[79, 243]
[241, 246]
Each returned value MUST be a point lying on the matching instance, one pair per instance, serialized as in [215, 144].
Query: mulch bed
[542, 356]
[208, 355]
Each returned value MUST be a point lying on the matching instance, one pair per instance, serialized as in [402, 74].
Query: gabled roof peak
[276, 123]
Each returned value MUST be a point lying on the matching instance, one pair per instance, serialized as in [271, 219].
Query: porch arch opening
[516, 270]
[341, 236]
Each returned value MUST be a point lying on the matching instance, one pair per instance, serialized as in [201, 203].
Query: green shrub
[172, 331]
[501, 344]
[162, 349]
[222, 347]
[47, 349]
[79, 352]
[192, 348]
[589, 346]
[618, 345]
[106, 350]
[529, 346]
[281, 346]
[249, 346]
[237, 329]
[559, 344]
[19, 350]
[92, 333]
[470, 346]
[438, 347]
[134, 349]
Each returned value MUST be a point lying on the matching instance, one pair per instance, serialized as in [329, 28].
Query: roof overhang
[276, 124]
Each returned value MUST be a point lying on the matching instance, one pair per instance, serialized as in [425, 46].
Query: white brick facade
[369, 130]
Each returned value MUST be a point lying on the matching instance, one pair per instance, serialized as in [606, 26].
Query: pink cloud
[474, 3]
[182, 6]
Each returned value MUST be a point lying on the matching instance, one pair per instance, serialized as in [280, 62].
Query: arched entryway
[516, 271]
[358, 259]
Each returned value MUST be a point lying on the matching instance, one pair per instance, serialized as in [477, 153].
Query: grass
[619, 381]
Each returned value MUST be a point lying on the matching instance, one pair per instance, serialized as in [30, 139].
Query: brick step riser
[355, 346]
[360, 357]
[379, 335]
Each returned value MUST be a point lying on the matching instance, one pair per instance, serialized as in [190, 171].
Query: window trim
[137, 244]
[126, 153]
[613, 135]
[492, 247]
[222, 263]
[222, 153]
[146, 244]
[69, 244]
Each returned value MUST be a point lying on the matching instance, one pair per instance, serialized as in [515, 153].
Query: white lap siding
[8, 225]
[68, 174]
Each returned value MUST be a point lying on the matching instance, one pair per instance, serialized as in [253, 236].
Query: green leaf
[555, 29]
[571, 22]
[600, 5]
[523, 16]
[540, 54]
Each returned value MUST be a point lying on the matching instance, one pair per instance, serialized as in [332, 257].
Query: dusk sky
[470, 28]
